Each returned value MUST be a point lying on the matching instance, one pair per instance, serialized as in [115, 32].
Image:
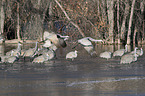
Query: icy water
[85, 76]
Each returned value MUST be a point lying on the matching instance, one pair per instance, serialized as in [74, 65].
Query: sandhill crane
[10, 59]
[71, 55]
[53, 47]
[51, 54]
[120, 52]
[15, 51]
[4, 58]
[1, 39]
[128, 58]
[31, 52]
[22, 52]
[138, 52]
[40, 59]
[48, 51]
[40, 51]
[47, 43]
[46, 55]
[87, 44]
[87, 41]
[57, 39]
[106, 55]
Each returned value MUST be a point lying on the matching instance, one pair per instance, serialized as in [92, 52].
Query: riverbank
[15, 41]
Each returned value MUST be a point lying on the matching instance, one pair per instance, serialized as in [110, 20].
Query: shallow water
[85, 76]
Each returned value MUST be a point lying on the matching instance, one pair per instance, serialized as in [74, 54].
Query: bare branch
[70, 19]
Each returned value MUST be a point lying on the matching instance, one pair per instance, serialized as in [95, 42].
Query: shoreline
[15, 41]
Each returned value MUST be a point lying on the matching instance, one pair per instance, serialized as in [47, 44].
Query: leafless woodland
[115, 21]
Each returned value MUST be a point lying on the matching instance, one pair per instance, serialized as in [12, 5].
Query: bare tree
[142, 5]
[2, 16]
[134, 35]
[126, 12]
[70, 19]
[50, 23]
[110, 4]
[18, 22]
[36, 11]
[95, 18]
[118, 25]
[130, 23]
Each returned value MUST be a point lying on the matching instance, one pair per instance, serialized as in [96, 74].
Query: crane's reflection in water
[85, 76]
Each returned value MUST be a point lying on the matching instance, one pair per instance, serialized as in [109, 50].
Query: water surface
[85, 76]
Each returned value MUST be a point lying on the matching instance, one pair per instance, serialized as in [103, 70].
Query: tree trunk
[123, 28]
[50, 23]
[98, 4]
[130, 23]
[134, 35]
[103, 11]
[142, 5]
[18, 22]
[110, 19]
[34, 26]
[2, 17]
[118, 25]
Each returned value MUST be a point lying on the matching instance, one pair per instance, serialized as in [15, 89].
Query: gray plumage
[106, 55]
[4, 58]
[10, 59]
[47, 52]
[15, 51]
[128, 58]
[47, 43]
[31, 52]
[120, 52]
[1, 39]
[57, 39]
[138, 52]
[48, 55]
[22, 52]
[40, 51]
[71, 55]
[40, 59]
[87, 41]
[53, 47]
[50, 45]
[87, 44]
[90, 50]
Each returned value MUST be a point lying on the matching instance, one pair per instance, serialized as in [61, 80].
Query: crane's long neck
[36, 46]
[141, 51]
[12, 52]
[76, 53]
[126, 49]
[135, 55]
[19, 47]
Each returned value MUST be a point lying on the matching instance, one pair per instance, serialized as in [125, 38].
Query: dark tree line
[116, 21]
